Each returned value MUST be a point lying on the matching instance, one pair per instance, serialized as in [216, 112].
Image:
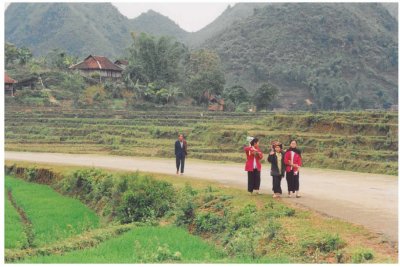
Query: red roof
[121, 62]
[96, 63]
[7, 79]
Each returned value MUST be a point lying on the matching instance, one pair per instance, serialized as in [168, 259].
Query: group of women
[282, 162]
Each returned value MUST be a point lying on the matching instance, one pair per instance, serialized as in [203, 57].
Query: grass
[52, 215]
[147, 245]
[15, 236]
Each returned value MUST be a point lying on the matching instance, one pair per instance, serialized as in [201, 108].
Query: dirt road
[366, 199]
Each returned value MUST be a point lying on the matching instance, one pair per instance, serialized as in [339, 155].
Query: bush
[243, 243]
[324, 244]
[186, 206]
[146, 199]
[209, 223]
[362, 255]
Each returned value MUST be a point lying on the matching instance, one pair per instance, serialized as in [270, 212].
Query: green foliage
[14, 235]
[186, 205]
[209, 223]
[74, 83]
[362, 255]
[264, 96]
[237, 94]
[155, 58]
[203, 75]
[50, 222]
[143, 245]
[322, 243]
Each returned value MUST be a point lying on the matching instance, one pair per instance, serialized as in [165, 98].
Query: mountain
[156, 24]
[335, 54]
[80, 28]
[233, 14]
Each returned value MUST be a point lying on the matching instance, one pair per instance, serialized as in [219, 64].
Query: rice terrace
[91, 172]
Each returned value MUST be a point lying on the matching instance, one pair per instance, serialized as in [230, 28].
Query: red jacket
[249, 167]
[296, 160]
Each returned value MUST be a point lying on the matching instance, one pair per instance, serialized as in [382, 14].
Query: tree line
[160, 71]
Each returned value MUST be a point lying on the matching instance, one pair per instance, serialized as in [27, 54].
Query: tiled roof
[7, 79]
[96, 63]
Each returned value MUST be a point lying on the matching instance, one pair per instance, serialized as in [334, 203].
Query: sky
[190, 16]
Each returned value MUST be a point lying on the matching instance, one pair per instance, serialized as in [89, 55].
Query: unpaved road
[367, 199]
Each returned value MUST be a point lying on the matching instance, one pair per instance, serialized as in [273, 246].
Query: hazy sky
[190, 16]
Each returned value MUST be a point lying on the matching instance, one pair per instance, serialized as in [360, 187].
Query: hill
[80, 28]
[337, 55]
[156, 24]
[238, 12]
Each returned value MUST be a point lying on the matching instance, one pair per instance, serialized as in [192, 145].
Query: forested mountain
[80, 28]
[154, 23]
[337, 55]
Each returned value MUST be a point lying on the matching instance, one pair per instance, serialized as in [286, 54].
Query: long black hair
[296, 150]
[254, 141]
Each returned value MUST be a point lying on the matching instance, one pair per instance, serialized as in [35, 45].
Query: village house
[214, 103]
[98, 64]
[121, 63]
[9, 85]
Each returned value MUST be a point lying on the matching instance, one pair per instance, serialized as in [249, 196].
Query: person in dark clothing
[277, 159]
[293, 163]
[180, 153]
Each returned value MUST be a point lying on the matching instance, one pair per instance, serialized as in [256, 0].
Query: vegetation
[143, 245]
[53, 217]
[15, 236]
[243, 228]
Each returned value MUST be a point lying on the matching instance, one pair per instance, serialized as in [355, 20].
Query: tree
[203, 75]
[57, 58]
[74, 83]
[237, 94]
[11, 53]
[154, 59]
[24, 55]
[264, 96]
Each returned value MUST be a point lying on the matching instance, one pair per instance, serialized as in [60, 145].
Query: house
[98, 64]
[121, 63]
[9, 85]
[216, 104]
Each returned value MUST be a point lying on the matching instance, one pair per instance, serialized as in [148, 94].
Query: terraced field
[357, 141]
[51, 216]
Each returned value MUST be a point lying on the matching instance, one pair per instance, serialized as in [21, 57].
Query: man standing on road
[180, 153]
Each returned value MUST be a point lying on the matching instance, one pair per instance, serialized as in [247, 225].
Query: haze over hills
[331, 53]
[80, 28]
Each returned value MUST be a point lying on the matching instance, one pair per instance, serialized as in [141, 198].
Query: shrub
[325, 243]
[245, 218]
[186, 206]
[273, 210]
[145, 199]
[209, 223]
[243, 243]
[362, 255]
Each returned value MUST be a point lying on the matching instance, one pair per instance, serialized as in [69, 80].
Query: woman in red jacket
[293, 163]
[253, 166]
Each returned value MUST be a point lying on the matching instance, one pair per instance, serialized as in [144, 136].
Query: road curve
[367, 199]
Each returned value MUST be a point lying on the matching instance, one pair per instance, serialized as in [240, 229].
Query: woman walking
[293, 163]
[277, 160]
[253, 166]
